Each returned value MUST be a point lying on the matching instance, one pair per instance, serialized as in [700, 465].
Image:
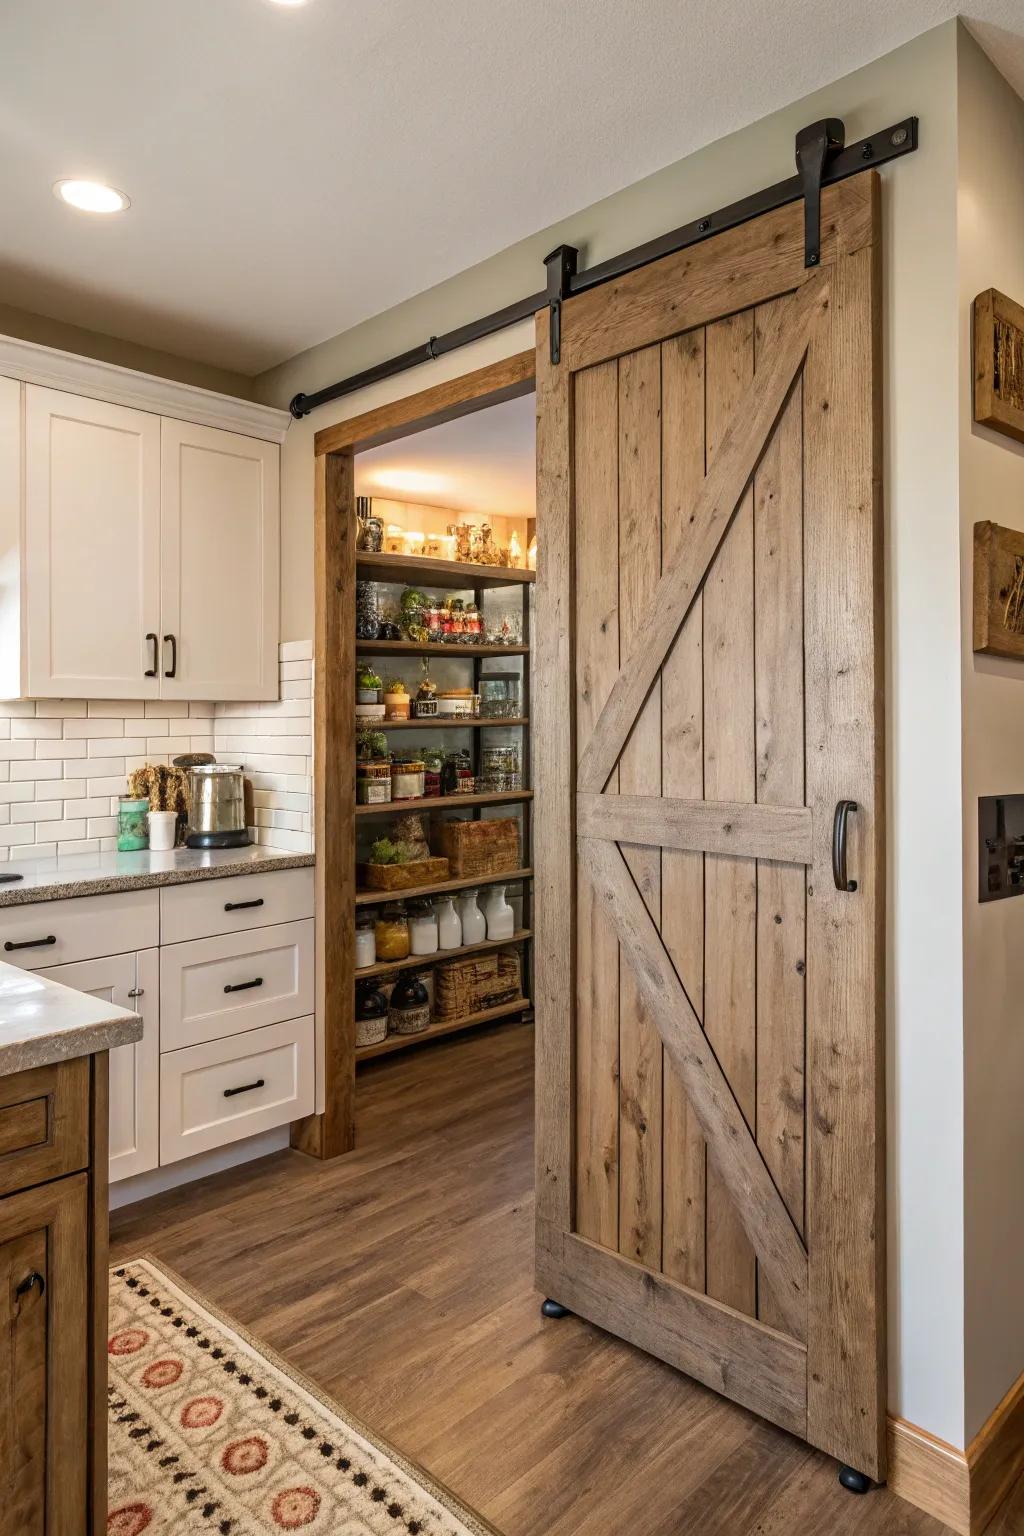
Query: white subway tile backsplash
[64, 762]
[36, 730]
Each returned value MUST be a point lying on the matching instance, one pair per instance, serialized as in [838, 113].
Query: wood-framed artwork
[999, 365]
[998, 590]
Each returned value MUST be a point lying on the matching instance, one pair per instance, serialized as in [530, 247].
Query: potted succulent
[368, 684]
[396, 699]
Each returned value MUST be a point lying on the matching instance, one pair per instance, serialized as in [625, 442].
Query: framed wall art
[999, 363]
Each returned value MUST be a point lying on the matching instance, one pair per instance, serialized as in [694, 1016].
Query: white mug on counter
[163, 826]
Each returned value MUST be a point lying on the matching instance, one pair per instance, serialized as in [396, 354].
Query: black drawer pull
[51, 938]
[242, 906]
[243, 986]
[229, 1093]
[30, 1280]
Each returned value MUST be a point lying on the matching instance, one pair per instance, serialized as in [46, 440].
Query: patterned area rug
[213, 1435]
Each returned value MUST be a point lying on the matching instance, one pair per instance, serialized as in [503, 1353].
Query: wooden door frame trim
[331, 1133]
[506, 379]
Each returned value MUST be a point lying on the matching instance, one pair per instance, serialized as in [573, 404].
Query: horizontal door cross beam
[894, 141]
[779, 832]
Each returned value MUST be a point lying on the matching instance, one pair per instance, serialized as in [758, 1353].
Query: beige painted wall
[25, 326]
[923, 611]
[991, 242]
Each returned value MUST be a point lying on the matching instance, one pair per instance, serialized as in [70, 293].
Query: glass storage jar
[449, 923]
[391, 932]
[366, 943]
[132, 825]
[501, 696]
[423, 937]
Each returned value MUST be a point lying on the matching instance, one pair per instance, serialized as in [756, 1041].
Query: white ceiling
[294, 170]
[484, 463]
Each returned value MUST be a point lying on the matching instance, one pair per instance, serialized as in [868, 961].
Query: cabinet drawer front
[46, 933]
[210, 988]
[234, 904]
[221, 1092]
[44, 1124]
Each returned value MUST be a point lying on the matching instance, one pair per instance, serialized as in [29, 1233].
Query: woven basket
[476, 983]
[476, 848]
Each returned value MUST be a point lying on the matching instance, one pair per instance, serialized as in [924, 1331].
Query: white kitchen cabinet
[220, 535]
[130, 981]
[92, 548]
[139, 553]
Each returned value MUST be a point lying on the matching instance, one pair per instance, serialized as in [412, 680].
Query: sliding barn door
[710, 1045]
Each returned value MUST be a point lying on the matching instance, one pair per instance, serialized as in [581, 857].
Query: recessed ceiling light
[91, 196]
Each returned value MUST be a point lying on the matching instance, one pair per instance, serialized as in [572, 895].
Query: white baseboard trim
[158, 1180]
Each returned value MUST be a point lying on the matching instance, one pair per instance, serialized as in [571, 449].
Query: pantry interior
[422, 701]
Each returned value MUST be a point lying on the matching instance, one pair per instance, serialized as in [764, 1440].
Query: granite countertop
[42, 1022]
[96, 874]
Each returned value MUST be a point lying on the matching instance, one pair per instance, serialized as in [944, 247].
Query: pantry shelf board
[440, 723]
[443, 803]
[435, 648]
[422, 962]
[423, 571]
[447, 1027]
[370, 898]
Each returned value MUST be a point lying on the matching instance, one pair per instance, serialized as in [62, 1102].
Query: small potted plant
[396, 699]
[368, 684]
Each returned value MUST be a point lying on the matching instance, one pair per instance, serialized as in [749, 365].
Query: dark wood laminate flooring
[400, 1279]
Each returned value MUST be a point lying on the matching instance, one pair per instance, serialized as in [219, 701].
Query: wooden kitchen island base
[53, 1256]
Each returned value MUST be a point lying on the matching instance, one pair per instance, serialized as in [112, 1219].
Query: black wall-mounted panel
[1000, 847]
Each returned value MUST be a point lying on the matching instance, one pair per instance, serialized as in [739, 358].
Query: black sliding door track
[822, 160]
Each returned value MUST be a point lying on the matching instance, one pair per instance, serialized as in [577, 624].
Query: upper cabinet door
[92, 548]
[220, 564]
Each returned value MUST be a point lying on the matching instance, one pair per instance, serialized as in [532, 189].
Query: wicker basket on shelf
[477, 848]
[476, 983]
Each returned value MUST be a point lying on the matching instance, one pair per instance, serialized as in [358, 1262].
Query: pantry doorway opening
[425, 541]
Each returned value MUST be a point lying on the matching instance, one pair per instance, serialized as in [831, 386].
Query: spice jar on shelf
[499, 770]
[367, 610]
[408, 780]
[501, 696]
[396, 699]
[391, 932]
[373, 783]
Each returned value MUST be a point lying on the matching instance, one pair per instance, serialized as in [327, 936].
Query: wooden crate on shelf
[402, 877]
[476, 983]
[478, 848]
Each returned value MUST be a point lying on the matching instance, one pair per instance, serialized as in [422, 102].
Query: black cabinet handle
[242, 906]
[843, 810]
[51, 938]
[243, 986]
[229, 1093]
[172, 642]
[29, 1282]
[154, 642]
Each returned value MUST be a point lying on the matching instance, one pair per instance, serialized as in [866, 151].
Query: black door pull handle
[154, 642]
[229, 1093]
[843, 809]
[243, 986]
[242, 906]
[29, 1282]
[10, 946]
[172, 642]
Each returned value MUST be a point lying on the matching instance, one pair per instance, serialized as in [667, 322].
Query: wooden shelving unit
[444, 803]
[420, 962]
[454, 649]
[440, 723]
[422, 571]
[443, 1027]
[367, 898]
[339, 824]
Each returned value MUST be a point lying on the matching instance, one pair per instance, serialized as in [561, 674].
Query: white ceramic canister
[163, 827]
[474, 924]
[423, 935]
[366, 943]
[501, 920]
[449, 923]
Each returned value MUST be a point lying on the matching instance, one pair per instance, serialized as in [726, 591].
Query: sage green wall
[925, 983]
[26, 326]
